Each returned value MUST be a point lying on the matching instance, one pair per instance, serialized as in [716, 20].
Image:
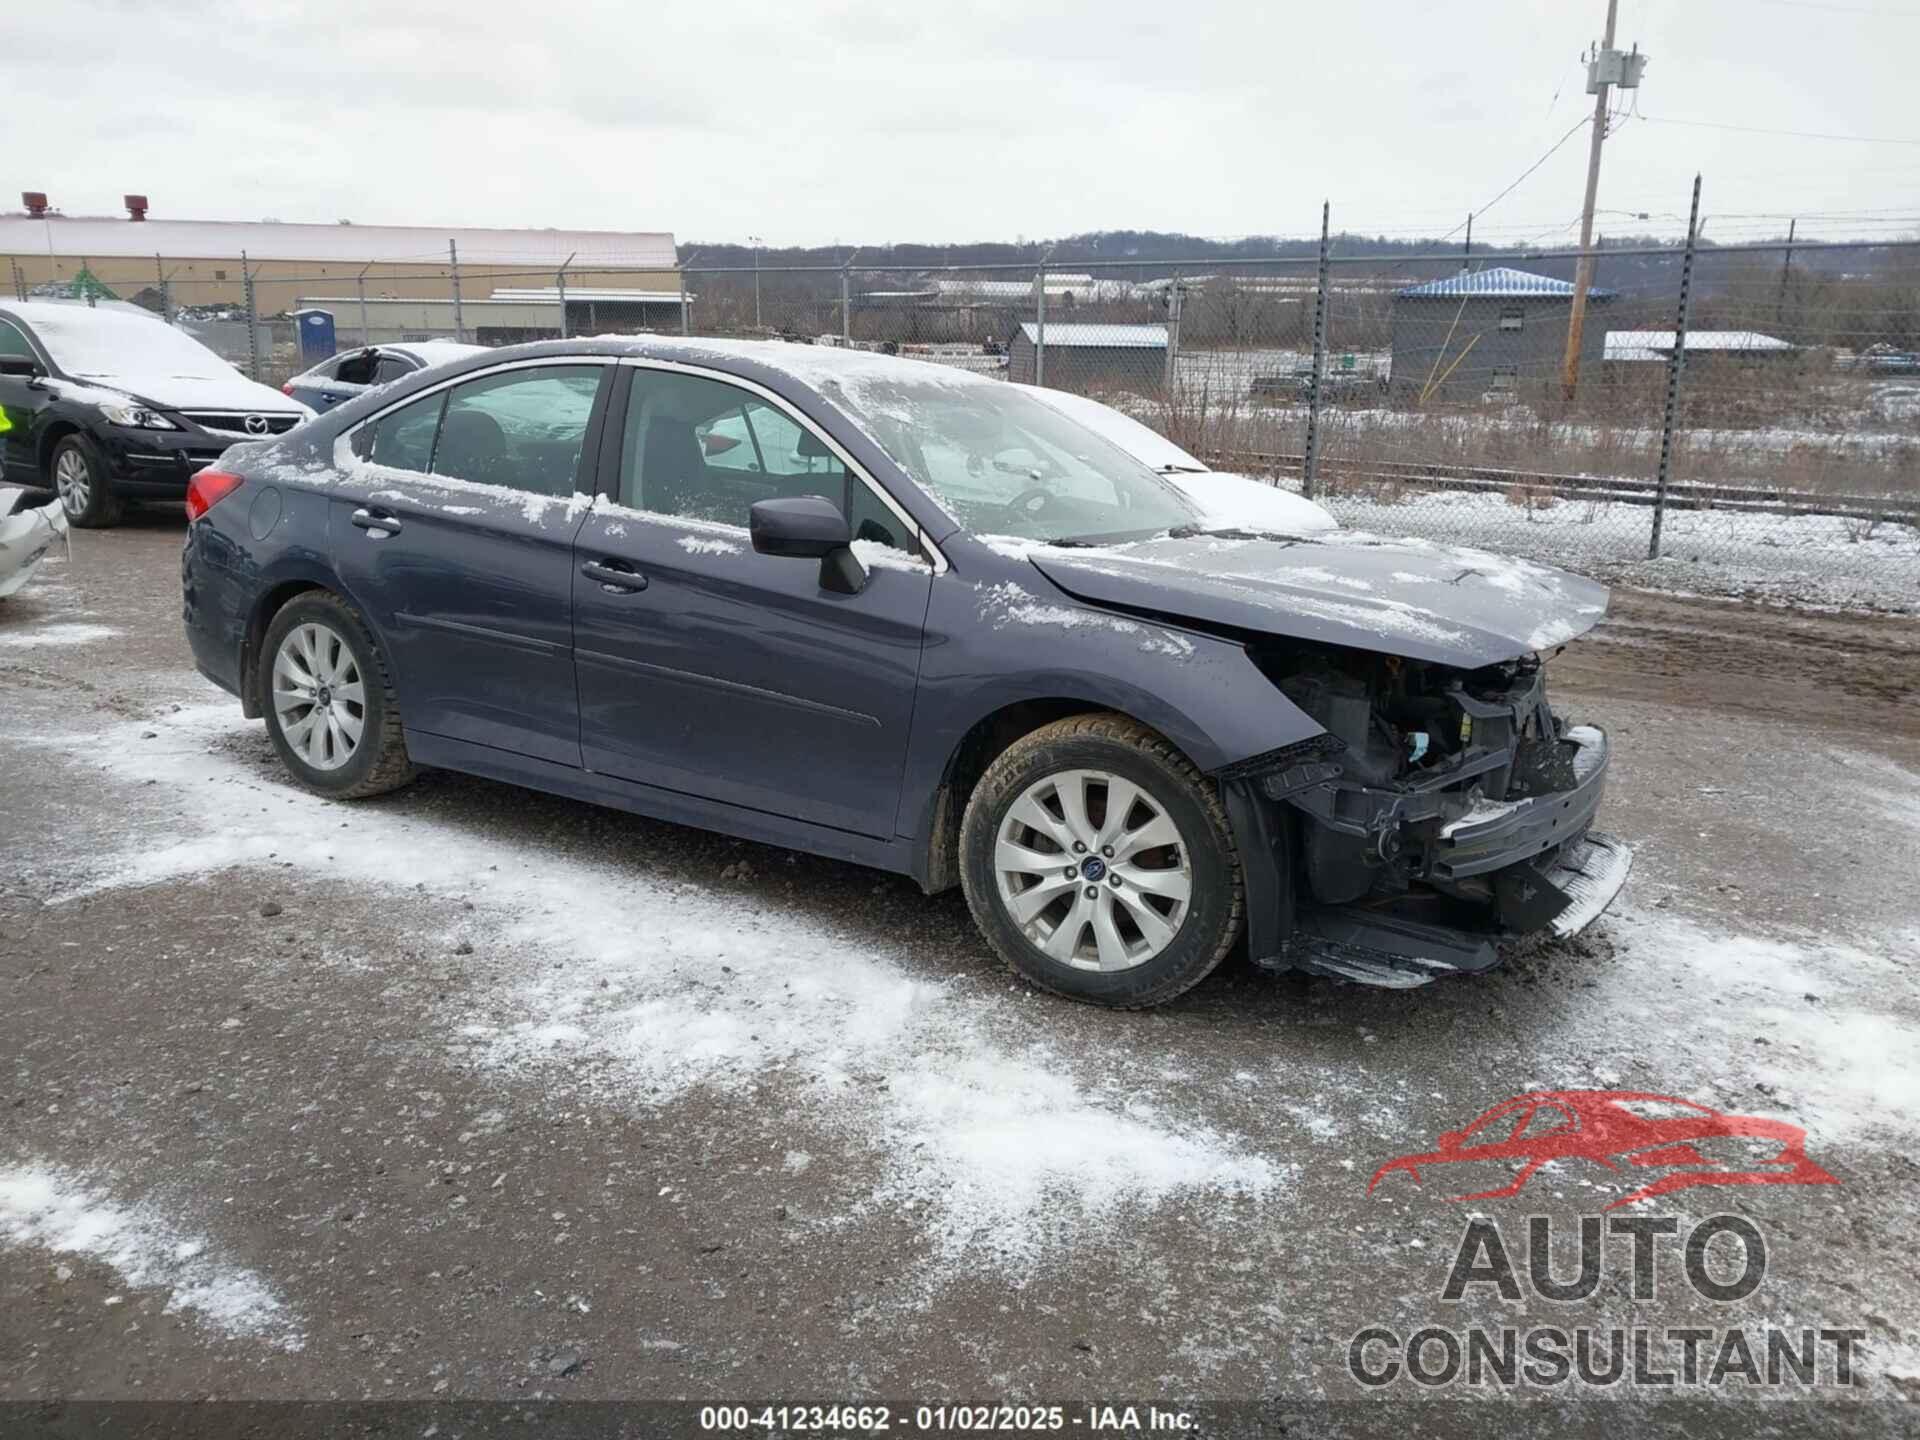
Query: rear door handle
[377, 523]
[616, 577]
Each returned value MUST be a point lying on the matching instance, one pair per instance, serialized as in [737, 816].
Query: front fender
[994, 643]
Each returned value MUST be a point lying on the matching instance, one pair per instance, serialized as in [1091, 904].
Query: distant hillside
[1151, 254]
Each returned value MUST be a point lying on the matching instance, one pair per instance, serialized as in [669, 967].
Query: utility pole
[756, 242]
[1466, 256]
[1608, 68]
[453, 266]
[1786, 272]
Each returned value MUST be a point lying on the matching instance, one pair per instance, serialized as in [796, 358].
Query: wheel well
[978, 749]
[270, 605]
[52, 436]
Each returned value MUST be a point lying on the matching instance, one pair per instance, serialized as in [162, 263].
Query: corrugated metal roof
[108, 238]
[1658, 344]
[1500, 283]
[1118, 337]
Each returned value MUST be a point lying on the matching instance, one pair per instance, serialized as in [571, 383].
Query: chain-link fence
[1735, 420]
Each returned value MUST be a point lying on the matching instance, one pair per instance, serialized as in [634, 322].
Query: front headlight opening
[137, 416]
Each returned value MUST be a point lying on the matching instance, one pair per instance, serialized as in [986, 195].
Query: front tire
[1154, 900]
[329, 701]
[78, 475]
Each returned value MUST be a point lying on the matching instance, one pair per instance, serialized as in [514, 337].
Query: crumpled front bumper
[1490, 837]
[1479, 870]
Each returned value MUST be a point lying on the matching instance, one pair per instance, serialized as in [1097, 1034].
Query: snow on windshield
[113, 344]
[1001, 461]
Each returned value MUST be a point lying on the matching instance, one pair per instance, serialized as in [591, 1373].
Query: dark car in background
[884, 611]
[340, 377]
[106, 405]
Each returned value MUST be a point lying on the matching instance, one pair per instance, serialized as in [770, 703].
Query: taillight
[207, 489]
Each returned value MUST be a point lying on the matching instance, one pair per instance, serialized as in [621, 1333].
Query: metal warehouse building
[199, 261]
[1129, 356]
[1483, 331]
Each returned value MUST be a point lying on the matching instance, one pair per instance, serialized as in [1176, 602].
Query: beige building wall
[279, 284]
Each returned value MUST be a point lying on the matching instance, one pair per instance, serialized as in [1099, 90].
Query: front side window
[705, 450]
[1005, 463]
[12, 342]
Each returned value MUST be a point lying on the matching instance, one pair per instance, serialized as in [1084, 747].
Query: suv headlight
[138, 416]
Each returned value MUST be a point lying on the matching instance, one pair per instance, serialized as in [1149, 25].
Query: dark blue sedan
[917, 619]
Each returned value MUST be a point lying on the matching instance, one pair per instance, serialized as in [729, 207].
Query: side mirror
[21, 367]
[806, 527]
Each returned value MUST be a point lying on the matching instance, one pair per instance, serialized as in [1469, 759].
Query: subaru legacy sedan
[916, 619]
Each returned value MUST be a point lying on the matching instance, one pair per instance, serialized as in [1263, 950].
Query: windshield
[108, 343]
[1004, 463]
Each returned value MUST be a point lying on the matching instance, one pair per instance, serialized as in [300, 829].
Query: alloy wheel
[1093, 870]
[73, 480]
[319, 696]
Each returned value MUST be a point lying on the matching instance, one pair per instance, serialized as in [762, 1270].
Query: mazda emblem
[256, 424]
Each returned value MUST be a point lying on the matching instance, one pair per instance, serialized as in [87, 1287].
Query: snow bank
[54, 1210]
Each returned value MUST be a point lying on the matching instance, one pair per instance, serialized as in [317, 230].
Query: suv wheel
[79, 477]
[1100, 865]
[329, 701]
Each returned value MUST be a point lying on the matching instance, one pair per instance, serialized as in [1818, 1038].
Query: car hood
[1442, 603]
[197, 392]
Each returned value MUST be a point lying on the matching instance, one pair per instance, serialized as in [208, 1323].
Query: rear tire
[77, 473]
[328, 699]
[1156, 900]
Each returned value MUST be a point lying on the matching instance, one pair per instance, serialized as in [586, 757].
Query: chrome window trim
[344, 457]
[782, 404]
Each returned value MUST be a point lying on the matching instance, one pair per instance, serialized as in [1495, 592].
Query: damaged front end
[1441, 811]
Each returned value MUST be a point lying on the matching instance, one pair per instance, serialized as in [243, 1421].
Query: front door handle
[616, 577]
[377, 523]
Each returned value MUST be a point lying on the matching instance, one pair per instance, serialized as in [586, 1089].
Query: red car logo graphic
[1623, 1128]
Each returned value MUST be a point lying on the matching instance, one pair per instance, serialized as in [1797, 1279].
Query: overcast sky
[891, 120]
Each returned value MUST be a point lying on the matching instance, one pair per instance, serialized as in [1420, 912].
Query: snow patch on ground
[1805, 1027]
[53, 1210]
[66, 633]
[998, 1146]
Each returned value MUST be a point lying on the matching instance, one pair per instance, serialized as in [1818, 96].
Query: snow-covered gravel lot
[471, 1092]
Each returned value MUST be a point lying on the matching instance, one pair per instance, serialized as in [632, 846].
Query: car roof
[434, 352]
[107, 312]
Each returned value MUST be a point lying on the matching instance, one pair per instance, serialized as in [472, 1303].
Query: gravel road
[471, 1093]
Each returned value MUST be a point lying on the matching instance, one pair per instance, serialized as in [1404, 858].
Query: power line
[1797, 134]
[1522, 176]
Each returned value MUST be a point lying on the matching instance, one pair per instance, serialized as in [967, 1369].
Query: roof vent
[35, 201]
[136, 206]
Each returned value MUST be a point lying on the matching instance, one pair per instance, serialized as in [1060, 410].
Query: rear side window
[390, 368]
[404, 439]
[524, 429]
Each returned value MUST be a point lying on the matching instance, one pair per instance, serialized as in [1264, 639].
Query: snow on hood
[138, 355]
[1442, 603]
[1239, 502]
